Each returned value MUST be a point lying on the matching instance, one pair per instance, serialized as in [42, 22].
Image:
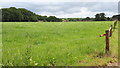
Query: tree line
[98, 17]
[116, 17]
[13, 14]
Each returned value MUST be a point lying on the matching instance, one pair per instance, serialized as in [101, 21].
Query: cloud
[119, 7]
[109, 6]
[59, 0]
[67, 9]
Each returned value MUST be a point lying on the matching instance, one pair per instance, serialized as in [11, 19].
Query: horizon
[61, 18]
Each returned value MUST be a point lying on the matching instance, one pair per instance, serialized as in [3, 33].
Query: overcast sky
[65, 9]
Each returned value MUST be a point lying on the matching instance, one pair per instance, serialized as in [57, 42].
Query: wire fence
[108, 33]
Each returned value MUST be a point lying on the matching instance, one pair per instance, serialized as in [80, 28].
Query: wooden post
[115, 24]
[110, 30]
[107, 41]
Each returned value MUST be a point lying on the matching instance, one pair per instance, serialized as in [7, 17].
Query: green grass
[0, 44]
[56, 43]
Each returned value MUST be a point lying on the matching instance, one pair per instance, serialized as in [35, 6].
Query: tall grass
[51, 43]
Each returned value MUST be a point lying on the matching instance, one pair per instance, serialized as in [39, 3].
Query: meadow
[57, 44]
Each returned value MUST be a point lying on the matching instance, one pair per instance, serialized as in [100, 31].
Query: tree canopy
[100, 17]
[13, 14]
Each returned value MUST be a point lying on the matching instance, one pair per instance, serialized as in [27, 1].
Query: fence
[108, 33]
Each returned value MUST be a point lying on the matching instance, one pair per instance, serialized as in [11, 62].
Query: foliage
[13, 14]
[100, 17]
[116, 17]
[53, 19]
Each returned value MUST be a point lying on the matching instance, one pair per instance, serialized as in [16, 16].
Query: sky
[65, 8]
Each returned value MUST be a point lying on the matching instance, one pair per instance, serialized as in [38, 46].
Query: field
[57, 44]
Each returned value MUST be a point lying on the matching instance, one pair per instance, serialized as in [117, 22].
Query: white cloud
[85, 14]
[82, 13]
[59, 0]
[110, 13]
[84, 9]
[55, 8]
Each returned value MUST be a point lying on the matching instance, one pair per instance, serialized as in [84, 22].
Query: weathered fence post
[107, 41]
[115, 24]
[110, 30]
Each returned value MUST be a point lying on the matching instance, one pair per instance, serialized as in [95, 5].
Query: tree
[28, 15]
[108, 19]
[97, 17]
[87, 18]
[53, 19]
[116, 17]
[13, 14]
[102, 17]
[42, 18]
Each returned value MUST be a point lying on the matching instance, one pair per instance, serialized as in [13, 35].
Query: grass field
[57, 44]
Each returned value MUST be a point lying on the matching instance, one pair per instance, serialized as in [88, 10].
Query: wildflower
[36, 63]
